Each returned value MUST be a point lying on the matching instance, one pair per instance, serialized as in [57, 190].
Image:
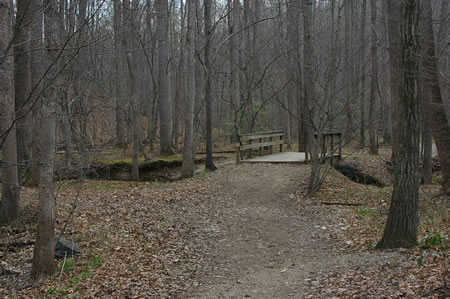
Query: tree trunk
[9, 205]
[187, 169]
[209, 164]
[165, 120]
[387, 104]
[393, 14]
[433, 102]
[119, 81]
[427, 140]
[22, 81]
[362, 107]
[403, 218]
[373, 148]
[347, 67]
[44, 250]
[234, 66]
[309, 117]
[36, 65]
[130, 45]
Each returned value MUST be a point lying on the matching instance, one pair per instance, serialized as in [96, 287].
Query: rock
[65, 248]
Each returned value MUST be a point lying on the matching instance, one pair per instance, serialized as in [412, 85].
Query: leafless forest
[160, 78]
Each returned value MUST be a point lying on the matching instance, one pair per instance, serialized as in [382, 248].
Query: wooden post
[281, 144]
[260, 148]
[332, 149]
[340, 146]
[249, 151]
[324, 146]
[237, 153]
[271, 146]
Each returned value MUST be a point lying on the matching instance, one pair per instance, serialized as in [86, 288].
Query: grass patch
[368, 213]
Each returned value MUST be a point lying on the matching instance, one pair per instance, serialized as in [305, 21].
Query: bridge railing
[331, 145]
[248, 142]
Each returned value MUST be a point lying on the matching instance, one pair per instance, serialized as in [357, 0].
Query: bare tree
[187, 169]
[22, 80]
[43, 258]
[433, 102]
[165, 121]
[403, 218]
[36, 65]
[373, 148]
[9, 205]
[209, 164]
[362, 107]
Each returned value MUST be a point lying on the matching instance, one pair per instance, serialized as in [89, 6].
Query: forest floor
[245, 230]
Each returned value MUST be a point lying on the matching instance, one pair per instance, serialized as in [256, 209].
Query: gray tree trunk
[22, 81]
[362, 51]
[165, 119]
[309, 117]
[187, 168]
[209, 164]
[36, 65]
[393, 15]
[403, 218]
[433, 102]
[9, 205]
[44, 250]
[119, 81]
[373, 148]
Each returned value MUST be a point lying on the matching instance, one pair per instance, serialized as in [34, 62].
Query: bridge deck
[284, 157]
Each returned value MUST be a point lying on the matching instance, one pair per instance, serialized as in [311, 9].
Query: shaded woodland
[152, 79]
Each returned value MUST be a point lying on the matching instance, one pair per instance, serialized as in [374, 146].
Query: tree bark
[130, 45]
[36, 64]
[209, 164]
[393, 14]
[22, 81]
[187, 168]
[9, 205]
[403, 218]
[433, 102]
[309, 105]
[362, 107]
[165, 120]
[119, 81]
[373, 148]
[44, 250]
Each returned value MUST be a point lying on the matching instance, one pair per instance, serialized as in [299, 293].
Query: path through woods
[266, 245]
[243, 230]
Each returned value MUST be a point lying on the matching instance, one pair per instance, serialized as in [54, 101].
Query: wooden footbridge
[259, 148]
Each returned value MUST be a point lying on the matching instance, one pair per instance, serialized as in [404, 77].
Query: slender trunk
[310, 119]
[393, 13]
[43, 258]
[36, 65]
[165, 120]
[433, 102]
[373, 148]
[22, 81]
[119, 81]
[403, 218]
[209, 164]
[187, 169]
[362, 130]
[427, 140]
[9, 205]
[387, 104]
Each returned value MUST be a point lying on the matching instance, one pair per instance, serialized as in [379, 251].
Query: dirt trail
[261, 242]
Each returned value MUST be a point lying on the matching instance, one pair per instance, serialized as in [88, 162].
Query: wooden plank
[262, 133]
[254, 137]
[257, 145]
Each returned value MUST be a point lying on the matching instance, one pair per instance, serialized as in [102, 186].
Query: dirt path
[262, 244]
